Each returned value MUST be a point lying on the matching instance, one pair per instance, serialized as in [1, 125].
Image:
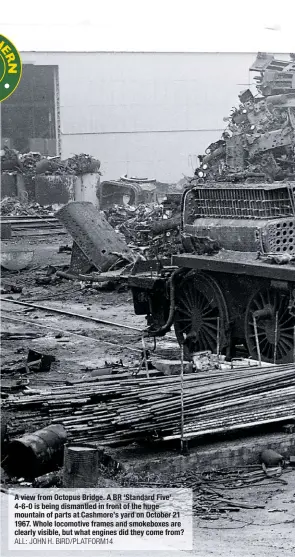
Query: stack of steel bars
[118, 411]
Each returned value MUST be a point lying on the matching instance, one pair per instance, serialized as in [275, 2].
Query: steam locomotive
[233, 287]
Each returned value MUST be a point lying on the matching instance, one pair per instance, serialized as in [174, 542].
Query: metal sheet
[240, 263]
[93, 234]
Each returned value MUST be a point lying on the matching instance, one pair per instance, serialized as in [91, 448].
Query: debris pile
[120, 411]
[10, 160]
[215, 493]
[82, 164]
[34, 163]
[51, 166]
[258, 144]
[76, 165]
[29, 162]
[13, 207]
[152, 229]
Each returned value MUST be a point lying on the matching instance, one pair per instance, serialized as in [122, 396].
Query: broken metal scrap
[152, 229]
[260, 134]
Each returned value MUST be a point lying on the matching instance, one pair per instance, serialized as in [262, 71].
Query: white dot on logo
[6, 85]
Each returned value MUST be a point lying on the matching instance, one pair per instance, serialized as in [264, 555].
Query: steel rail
[53, 328]
[72, 314]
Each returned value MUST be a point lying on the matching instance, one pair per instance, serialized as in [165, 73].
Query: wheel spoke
[285, 342]
[289, 320]
[209, 335]
[199, 303]
[206, 305]
[186, 302]
[263, 343]
[257, 304]
[183, 330]
[208, 340]
[264, 299]
[202, 341]
[270, 298]
[180, 310]
[283, 349]
[290, 328]
[186, 296]
[287, 335]
[188, 321]
[210, 326]
[279, 352]
[192, 296]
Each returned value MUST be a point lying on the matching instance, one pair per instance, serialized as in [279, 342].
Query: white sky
[150, 25]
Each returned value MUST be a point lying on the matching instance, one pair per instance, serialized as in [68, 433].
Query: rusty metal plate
[95, 237]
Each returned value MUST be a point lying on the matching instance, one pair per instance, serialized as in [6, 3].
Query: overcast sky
[150, 25]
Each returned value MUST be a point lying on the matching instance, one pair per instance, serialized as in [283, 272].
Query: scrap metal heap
[33, 163]
[259, 142]
[234, 285]
[151, 229]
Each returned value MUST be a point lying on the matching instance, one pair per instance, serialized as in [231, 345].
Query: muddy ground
[81, 347]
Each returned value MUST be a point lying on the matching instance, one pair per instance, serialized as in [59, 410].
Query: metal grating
[279, 237]
[246, 203]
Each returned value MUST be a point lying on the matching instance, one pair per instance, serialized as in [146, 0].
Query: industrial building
[141, 114]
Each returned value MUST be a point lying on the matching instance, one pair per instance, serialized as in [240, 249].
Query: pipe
[276, 99]
[217, 153]
[276, 338]
[70, 333]
[264, 313]
[145, 357]
[85, 278]
[257, 340]
[168, 224]
[71, 314]
[165, 328]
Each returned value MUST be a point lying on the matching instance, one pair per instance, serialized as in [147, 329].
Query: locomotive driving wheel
[275, 326]
[200, 314]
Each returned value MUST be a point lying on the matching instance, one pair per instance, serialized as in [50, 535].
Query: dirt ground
[66, 295]
[80, 348]
[84, 345]
[268, 532]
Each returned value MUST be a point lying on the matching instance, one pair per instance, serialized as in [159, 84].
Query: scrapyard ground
[269, 531]
[74, 354]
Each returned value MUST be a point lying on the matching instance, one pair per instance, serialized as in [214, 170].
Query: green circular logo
[10, 68]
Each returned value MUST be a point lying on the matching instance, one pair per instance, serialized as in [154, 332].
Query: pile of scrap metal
[10, 160]
[122, 234]
[259, 142]
[153, 229]
[13, 207]
[77, 165]
[34, 163]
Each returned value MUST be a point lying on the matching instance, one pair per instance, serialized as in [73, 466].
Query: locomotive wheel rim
[279, 304]
[199, 303]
